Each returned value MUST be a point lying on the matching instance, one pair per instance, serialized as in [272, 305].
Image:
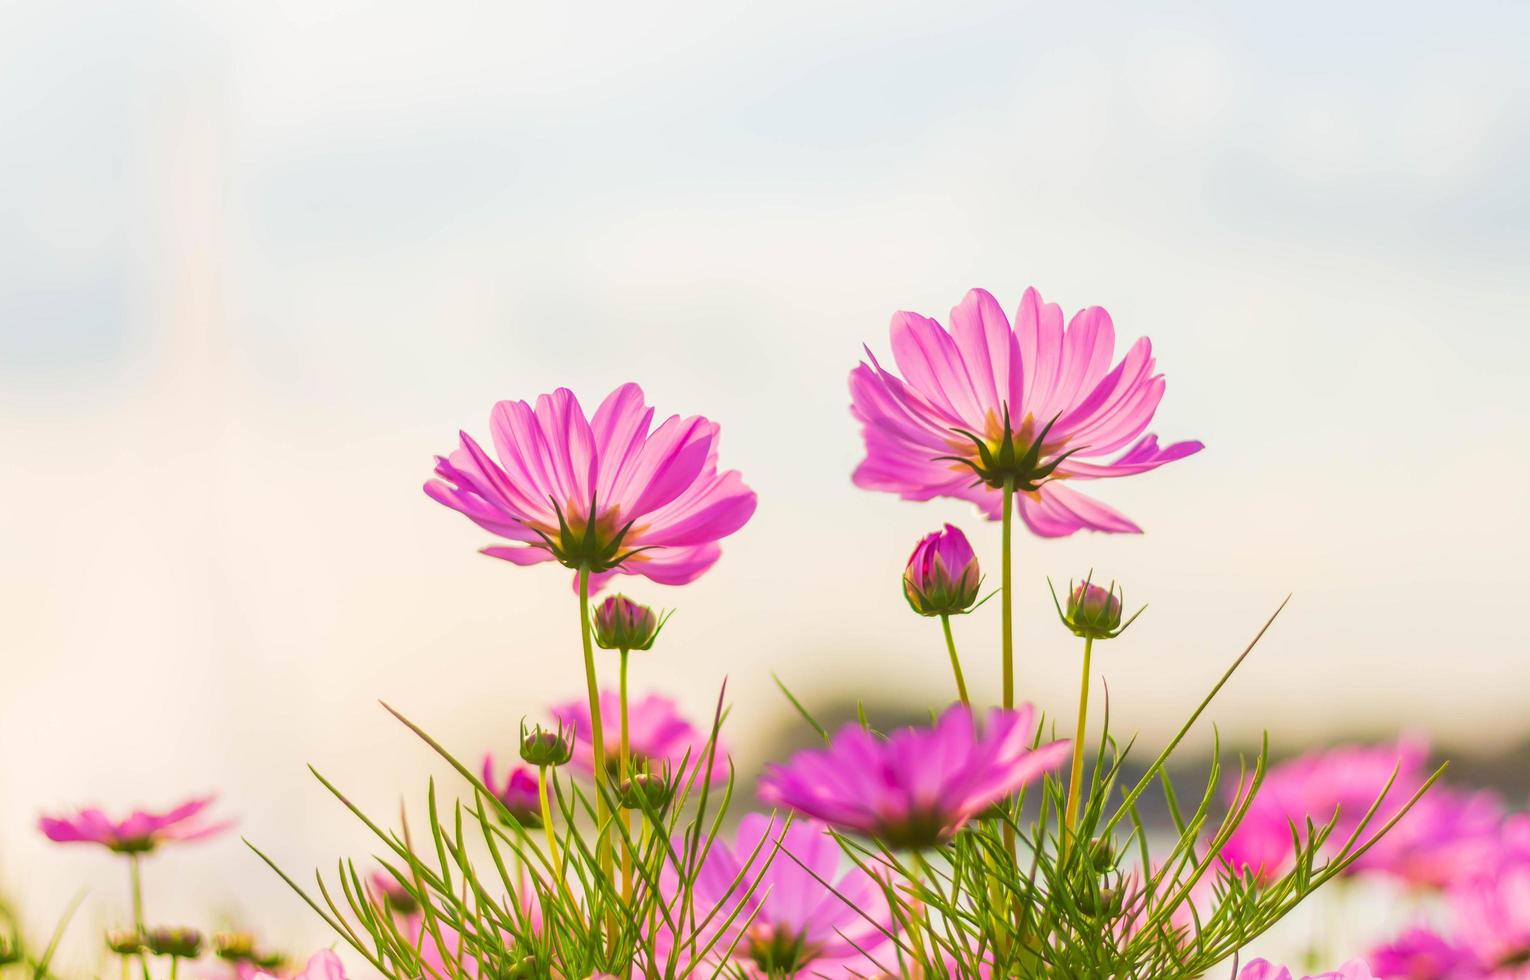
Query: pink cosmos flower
[1035, 404]
[323, 965]
[1492, 918]
[1265, 970]
[657, 734]
[916, 788]
[518, 792]
[788, 924]
[1345, 780]
[604, 492]
[140, 832]
[1422, 954]
[1447, 837]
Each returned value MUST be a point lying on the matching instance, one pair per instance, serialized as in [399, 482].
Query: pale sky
[263, 261]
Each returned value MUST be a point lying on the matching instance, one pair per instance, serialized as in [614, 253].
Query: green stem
[135, 877]
[597, 736]
[624, 760]
[956, 664]
[1007, 583]
[1076, 777]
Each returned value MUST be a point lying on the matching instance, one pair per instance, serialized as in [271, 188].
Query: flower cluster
[975, 845]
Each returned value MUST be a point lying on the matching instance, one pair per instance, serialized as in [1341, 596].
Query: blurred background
[259, 262]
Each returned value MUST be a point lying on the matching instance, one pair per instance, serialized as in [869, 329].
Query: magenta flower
[1492, 917]
[1422, 954]
[917, 787]
[786, 922]
[1448, 836]
[942, 576]
[658, 735]
[1345, 780]
[604, 493]
[1265, 970]
[1036, 405]
[518, 792]
[139, 833]
[323, 965]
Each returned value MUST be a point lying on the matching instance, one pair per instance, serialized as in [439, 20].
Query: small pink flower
[323, 965]
[657, 735]
[1035, 404]
[917, 787]
[774, 884]
[1265, 970]
[603, 492]
[1422, 954]
[942, 576]
[518, 792]
[139, 832]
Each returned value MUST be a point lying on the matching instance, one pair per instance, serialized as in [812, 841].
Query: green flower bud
[174, 941]
[621, 624]
[540, 747]
[646, 791]
[124, 942]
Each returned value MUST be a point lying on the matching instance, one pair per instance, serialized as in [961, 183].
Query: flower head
[323, 965]
[1447, 837]
[1345, 781]
[942, 576]
[139, 832]
[621, 624]
[605, 493]
[1422, 954]
[1492, 916]
[772, 895]
[1265, 970]
[540, 747]
[176, 941]
[1034, 406]
[394, 895]
[518, 792]
[919, 786]
[657, 734]
[1094, 612]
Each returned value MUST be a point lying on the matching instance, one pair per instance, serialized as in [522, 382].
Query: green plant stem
[623, 760]
[135, 879]
[1007, 609]
[547, 823]
[956, 664]
[1076, 776]
[597, 738]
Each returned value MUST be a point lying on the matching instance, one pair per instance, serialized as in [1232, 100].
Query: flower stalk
[956, 664]
[1076, 775]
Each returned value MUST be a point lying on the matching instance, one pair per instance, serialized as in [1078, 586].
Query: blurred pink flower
[1345, 780]
[518, 792]
[1448, 836]
[657, 734]
[1492, 918]
[1422, 954]
[1265, 970]
[554, 467]
[323, 965]
[139, 832]
[918, 786]
[1055, 387]
[774, 884]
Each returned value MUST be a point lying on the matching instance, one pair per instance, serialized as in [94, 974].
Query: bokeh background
[258, 262]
